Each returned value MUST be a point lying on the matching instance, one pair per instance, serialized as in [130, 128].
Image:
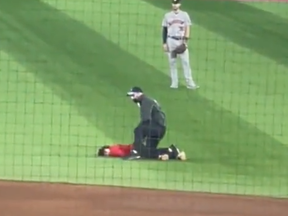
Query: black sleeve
[164, 34]
[146, 110]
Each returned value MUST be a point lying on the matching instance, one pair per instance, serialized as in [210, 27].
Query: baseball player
[151, 129]
[123, 150]
[176, 32]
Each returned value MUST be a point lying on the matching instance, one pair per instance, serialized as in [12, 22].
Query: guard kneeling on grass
[151, 129]
[148, 133]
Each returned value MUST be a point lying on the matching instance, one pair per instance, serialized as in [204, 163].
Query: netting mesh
[65, 68]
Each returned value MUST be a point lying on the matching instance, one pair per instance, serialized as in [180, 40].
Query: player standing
[176, 31]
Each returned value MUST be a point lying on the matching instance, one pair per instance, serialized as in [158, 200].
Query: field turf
[65, 68]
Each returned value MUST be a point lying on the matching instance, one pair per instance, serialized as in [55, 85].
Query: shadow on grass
[75, 62]
[258, 30]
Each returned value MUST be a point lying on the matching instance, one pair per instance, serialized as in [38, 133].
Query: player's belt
[176, 37]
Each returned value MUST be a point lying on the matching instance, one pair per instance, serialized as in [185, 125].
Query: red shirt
[120, 150]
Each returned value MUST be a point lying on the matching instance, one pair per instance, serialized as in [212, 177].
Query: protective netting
[66, 66]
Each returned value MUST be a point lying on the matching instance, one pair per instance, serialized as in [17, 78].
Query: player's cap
[176, 1]
[134, 90]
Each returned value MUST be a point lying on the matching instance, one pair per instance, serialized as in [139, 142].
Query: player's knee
[173, 63]
[185, 62]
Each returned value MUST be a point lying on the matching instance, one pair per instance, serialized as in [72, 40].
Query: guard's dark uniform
[151, 129]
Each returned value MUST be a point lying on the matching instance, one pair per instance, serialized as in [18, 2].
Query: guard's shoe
[164, 157]
[182, 156]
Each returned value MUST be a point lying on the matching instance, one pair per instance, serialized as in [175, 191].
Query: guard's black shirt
[150, 111]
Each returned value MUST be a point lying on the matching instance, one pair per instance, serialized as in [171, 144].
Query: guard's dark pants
[147, 138]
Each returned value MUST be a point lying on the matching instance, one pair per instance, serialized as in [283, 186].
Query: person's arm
[146, 110]
[164, 33]
[188, 25]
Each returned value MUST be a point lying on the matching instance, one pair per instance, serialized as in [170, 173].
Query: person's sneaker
[164, 157]
[179, 155]
[174, 150]
[193, 87]
[182, 156]
[174, 87]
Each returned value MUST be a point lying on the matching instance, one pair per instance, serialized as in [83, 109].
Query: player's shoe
[174, 87]
[193, 87]
[133, 156]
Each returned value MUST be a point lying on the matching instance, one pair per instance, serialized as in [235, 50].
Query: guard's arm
[146, 110]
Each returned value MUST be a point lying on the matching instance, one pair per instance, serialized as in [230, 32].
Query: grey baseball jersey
[150, 110]
[176, 23]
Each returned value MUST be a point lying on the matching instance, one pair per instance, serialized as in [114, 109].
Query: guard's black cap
[176, 1]
[134, 90]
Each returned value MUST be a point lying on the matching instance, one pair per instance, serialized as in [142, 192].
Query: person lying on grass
[123, 150]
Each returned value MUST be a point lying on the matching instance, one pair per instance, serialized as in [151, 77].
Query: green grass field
[66, 66]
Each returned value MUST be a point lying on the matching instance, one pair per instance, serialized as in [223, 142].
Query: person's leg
[150, 150]
[153, 134]
[139, 135]
[143, 148]
[172, 60]
[187, 70]
[139, 138]
[173, 70]
[172, 152]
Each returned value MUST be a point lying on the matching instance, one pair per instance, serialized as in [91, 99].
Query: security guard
[151, 129]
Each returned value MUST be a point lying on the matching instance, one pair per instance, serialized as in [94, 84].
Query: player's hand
[186, 44]
[165, 48]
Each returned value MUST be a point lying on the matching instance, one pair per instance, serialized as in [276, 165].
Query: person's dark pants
[146, 140]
